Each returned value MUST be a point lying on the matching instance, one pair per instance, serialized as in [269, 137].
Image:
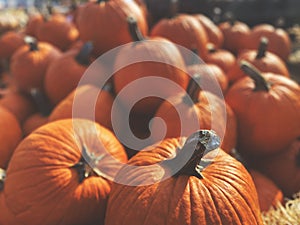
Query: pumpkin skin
[33, 122]
[64, 73]
[269, 195]
[34, 21]
[10, 136]
[183, 30]
[47, 188]
[267, 117]
[83, 95]
[58, 31]
[282, 168]
[95, 18]
[279, 41]
[262, 59]
[10, 42]
[153, 61]
[182, 199]
[30, 63]
[213, 32]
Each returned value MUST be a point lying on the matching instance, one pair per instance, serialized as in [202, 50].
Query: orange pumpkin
[10, 42]
[269, 195]
[10, 136]
[34, 21]
[30, 63]
[196, 109]
[61, 174]
[267, 107]
[168, 184]
[33, 122]
[95, 20]
[147, 65]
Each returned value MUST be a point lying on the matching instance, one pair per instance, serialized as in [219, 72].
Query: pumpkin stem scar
[262, 48]
[83, 57]
[2, 178]
[193, 90]
[134, 30]
[201, 143]
[260, 83]
[85, 166]
[32, 43]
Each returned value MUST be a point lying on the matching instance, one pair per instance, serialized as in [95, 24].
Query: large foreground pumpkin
[223, 193]
[50, 179]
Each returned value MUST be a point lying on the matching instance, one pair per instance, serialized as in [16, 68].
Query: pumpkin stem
[134, 30]
[99, 1]
[32, 43]
[211, 48]
[201, 142]
[260, 83]
[2, 178]
[173, 8]
[193, 90]
[41, 101]
[84, 54]
[85, 166]
[262, 48]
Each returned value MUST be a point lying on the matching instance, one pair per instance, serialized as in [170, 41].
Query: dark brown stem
[32, 43]
[134, 30]
[260, 83]
[194, 148]
[193, 90]
[2, 178]
[173, 9]
[85, 166]
[41, 101]
[211, 48]
[262, 48]
[83, 57]
[99, 1]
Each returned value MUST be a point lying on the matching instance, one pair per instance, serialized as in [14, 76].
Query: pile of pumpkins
[62, 164]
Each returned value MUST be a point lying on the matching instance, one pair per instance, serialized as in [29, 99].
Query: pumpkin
[195, 109]
[282, 168]
[64, 73]
[235, 35]
[95, 21]
[269, 195]
[33, 122]
[19, 104]
[206, 73]
[267, 110]
[61, 174]
[89, 102]
[10, 42]
[214, 34]
[30, 62]
[221, 57]
[58, 31]
[168, 184]
[279, 41]
[34, 21]
[10, 136]
[150, 67]
[262, 59]
[184, 30]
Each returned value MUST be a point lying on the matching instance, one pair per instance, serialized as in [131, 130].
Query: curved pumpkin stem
[201, 143]
[262, 48]
[41, 101]
[32, 43]
[134, 30]
[193, 90]
[260, 83]
[83, 57]
[2, 178]
[86, 165]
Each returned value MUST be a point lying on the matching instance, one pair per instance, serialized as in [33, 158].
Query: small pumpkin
[262, 59]
[10, 42]
[267, 107]
[30, 62]
[166, 184]
[10, 136]
[153, 61]
[95, 20]
[269, 195]
[34, 21]
[61, 174]
[195, 109]
[64, 73]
